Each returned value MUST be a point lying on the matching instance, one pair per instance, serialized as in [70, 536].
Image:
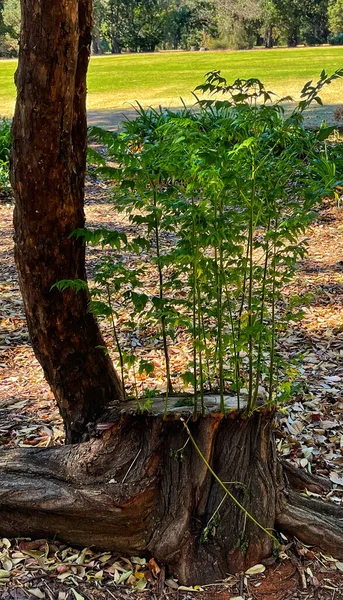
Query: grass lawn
[116, 81]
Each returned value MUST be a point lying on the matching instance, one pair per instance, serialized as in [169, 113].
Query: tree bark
[312, 521]
[268, 38]
[48, 171]
[135, 491]
[141, 488]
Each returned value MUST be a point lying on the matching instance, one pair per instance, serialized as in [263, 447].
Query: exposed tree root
[314, 522]
[300, 480]
[141, 488]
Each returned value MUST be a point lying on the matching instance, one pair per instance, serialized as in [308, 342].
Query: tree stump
[141, 488]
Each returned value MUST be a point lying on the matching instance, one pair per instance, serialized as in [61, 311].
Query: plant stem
[206, 352]
[263, 295]
[235, 351]
[220, 333]
[201, 373]
[194, 324]
[250, 291]
[161, 295]
[135, 380]
[194, 310]
[218, 256]
[115, 334]
[272, 346]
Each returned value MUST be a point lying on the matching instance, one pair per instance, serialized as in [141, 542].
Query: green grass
[7, 88]
[116, 81]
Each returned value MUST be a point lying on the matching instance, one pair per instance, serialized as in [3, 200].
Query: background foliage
[147, 25]
[5, 145]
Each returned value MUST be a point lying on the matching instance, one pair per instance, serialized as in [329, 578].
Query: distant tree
[9, 27]
[270, 19]
[2, 25]
[290, 14]
[314, 25]
[142, 25]
[177, 24]
[149, 20]
[11, 16]
[335, 16]
[303, 20]
[240, 21]
[134, 24]
[100, 8]
[203, 21]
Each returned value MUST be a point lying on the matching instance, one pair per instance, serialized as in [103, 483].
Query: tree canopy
[147, 25]
[335, 15]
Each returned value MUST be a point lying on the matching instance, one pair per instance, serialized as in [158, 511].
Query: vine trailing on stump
[137, 486]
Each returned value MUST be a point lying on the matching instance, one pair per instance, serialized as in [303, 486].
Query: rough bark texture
[48, 170]
[299, 480]
[135, 491]
[312, 521]
[131, 491]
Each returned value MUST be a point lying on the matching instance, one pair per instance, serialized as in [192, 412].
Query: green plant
[221, 198]
[5, 146]
[242, 243]
[336, 39]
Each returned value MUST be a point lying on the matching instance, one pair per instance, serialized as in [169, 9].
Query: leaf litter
[309, 430]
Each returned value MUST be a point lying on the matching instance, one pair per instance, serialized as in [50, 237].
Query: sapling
[236, 183]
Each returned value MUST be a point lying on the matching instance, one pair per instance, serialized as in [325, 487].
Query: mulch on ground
[309, 431]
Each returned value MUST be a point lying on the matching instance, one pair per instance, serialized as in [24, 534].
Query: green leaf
[99, 308]
[70, 284]
[77, 595]
[124, 576]
[147, 367]
[324, 133]
[139, 300]
[94, 157]
[188, 378]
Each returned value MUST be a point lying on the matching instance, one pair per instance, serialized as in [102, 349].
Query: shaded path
[111, 119]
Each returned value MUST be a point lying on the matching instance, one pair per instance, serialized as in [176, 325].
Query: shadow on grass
[113, 119]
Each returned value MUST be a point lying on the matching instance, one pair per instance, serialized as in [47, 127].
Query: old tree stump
[140, 488]
[136, 486]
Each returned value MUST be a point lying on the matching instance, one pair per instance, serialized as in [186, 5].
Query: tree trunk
[268, 38]
[96, 45]
[115, 46]
[141, 488]
[293, 37]
[48, 171]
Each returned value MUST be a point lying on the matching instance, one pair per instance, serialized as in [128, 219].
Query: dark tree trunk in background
[2, 26]
[48, 171]
[115, 46]
[96, 45]
[293, 37]
[268, 41]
